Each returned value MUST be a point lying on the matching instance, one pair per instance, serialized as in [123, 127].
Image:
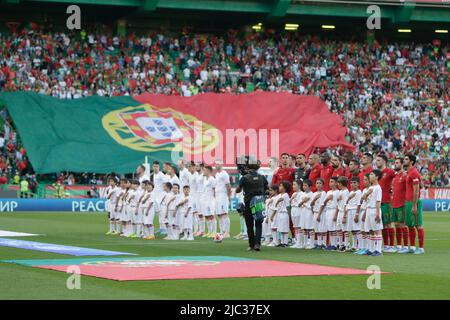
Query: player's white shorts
[157, 200]
[195, 203]
[306, 219]
[120, 213]
[179, 219]
[222, 203]
[351, 224]
[171, 217]
[321, 226]
[282, 222]
[138, 219]
[370, 224]
[331, 225]
[124, 213]
[339, 224]
[112, 213]
[188, 222]
[147, 219]
[131, 213]
[274, 223]
[208, 207]
[296, 217]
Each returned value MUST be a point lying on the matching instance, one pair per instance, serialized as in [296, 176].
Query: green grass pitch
[413, 277]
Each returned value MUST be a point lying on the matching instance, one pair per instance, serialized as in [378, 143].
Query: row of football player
[328, 217]
[183, 205]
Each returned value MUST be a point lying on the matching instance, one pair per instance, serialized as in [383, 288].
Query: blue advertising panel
[71, 205]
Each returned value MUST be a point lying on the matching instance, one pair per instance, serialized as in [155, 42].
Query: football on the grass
[218, 238]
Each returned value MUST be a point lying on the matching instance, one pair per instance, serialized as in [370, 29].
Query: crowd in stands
[392, 96]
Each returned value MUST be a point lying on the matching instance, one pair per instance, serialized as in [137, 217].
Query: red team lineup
[373, 200]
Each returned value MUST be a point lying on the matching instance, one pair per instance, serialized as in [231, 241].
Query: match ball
[218, 238]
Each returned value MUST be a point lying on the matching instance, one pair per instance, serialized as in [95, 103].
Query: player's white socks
[378, 243]
[302, 238]
[195, 223]
[275, 237]
[111, 226]
[346, 238]
[339, 238]
[151, 231]
[201, 224]
[284, 238]
[214, 225]
[139, 229]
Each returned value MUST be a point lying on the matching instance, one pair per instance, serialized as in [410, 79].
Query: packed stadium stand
[390, 87]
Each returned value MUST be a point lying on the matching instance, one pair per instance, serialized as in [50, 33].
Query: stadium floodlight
[291, 26]
[257, 27]
[328, 26]
[404, 30]
[441, 31]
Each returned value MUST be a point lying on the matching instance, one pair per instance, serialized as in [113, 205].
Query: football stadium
[224, 150]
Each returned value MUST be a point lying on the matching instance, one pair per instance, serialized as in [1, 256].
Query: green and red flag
[101, 135]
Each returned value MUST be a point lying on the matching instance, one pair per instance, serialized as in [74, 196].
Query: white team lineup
[194, 203]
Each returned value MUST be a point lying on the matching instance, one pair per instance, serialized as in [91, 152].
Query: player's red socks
[412, 237]
[399, 235]
[421, 234]
[391, 236]
[385, 233]
[405, 236]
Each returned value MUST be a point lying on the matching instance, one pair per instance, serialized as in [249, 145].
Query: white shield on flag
[160, 128]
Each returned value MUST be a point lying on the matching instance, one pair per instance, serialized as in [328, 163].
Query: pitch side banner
[437, 193]
[70, 205]
[436, 205]
[103, 135]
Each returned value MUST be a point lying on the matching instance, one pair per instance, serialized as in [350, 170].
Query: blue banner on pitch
[71, 205]
[436, 204]
[56, 248]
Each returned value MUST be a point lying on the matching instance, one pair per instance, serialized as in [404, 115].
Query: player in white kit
[360, 214]
[122, 209]
[295, 212]
[208, 203]
[342, 228]
[158, 193]
[282, 213]
[167, 200]
[147, 206]
[174, 213]
[185, 206]
[184, 174]
[373, 221]
[319, 221]
[111, 196]
[133, 197]
[200, 194]
[267, 230]
[273, 216]
[306, 216]
[353, 201]
[330, 215]
[223, 194]
[193, 194]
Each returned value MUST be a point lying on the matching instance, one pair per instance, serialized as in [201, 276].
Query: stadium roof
[394, 10]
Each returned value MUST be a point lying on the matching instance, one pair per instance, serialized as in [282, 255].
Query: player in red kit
[413, 205]
[398, 205]
[338, 170]
[352, 169]
[326, 172]
[366, 162]
[387, 175]
[315, 167]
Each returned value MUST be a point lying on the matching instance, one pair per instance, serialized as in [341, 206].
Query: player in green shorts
[398, 215]
[386, 213]
[413, 219]
[413, 205]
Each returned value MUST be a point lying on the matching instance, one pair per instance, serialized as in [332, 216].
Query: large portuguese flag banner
[103, 135]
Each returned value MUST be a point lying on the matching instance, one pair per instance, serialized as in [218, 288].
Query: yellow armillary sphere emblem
[148, 128]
